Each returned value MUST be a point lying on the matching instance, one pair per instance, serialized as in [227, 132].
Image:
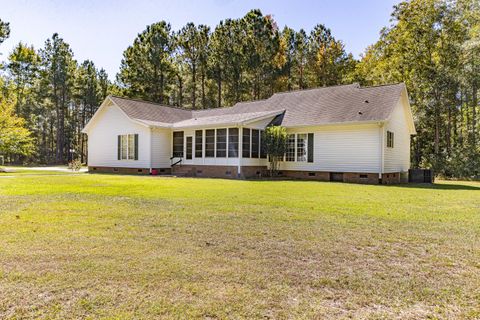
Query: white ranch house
[343, 133]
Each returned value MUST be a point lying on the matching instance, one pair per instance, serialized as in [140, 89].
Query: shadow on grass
[435, 186]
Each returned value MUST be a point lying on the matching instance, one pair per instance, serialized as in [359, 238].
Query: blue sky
[102, 30]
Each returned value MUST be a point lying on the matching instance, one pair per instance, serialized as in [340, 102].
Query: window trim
[131, 151]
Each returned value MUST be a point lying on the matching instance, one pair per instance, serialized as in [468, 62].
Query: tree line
[431, 45]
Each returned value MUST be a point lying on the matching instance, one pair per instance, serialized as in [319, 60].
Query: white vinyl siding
[161, 148]
[110, 123]
[397, 159]
[348, 148]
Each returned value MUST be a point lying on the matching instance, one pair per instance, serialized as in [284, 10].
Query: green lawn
[120, 247]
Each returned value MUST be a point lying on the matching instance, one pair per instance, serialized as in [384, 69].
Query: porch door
[188, 147]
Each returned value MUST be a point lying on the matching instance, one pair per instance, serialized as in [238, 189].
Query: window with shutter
[127, 147]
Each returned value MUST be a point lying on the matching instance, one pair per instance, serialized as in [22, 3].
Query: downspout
[382, 149]
[151, 149]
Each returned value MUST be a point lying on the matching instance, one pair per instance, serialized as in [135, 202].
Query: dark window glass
[189, 148]
[198, 143]
[232, 142]
[389, 139]
[310, 147]
[263, 149]
[255, 143]
[221, 143]
[210, 143]
[178, 144]
[246, 143]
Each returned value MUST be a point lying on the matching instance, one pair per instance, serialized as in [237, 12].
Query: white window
[302, 147]
[127, 147]
[290, 155]
[390, 138]
[299, 147]
[131, 146]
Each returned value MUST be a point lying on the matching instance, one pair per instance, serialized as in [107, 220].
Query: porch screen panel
[255, 143]
[178, 144]
[263, 149]
[210, 143]
[198, 143]
[246, 143]
[232, 142]
[221, 143]
[189, 148]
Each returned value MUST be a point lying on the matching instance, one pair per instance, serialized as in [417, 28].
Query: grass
[17, 170]
[121, 247]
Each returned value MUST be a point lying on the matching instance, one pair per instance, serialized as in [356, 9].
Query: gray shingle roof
[326, 105]
[143, 110]
[226, 119]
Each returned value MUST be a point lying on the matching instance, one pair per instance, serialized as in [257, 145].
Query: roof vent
[366, 101]
[360, 112]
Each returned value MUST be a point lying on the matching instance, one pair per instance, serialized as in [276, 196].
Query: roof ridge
[150, 102]
[318, 88]
[383, 85]
[248, 101]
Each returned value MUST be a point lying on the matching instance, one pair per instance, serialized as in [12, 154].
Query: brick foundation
[206, 171]
[368, 178]
[162, 171]
[394, 178]
[249, 172]
[306, 175]
[93, 169]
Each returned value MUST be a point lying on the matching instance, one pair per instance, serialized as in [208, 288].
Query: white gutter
[336, 124]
